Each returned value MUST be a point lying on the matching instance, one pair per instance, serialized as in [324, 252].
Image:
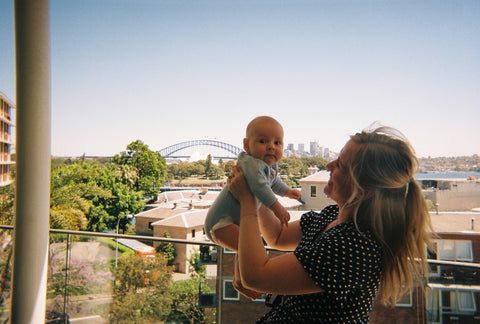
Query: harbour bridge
[217, 149]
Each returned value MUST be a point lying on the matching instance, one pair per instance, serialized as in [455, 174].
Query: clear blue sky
[171, 71]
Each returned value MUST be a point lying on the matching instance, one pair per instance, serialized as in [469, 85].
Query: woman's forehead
[347, 150]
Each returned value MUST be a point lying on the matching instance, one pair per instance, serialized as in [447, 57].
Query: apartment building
[450, 293]
[6, 139]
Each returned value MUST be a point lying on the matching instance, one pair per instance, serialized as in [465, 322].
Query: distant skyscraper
[326, 153]
[301, 149]
[314, 148]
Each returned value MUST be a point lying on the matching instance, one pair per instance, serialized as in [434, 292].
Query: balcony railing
[85, 287]
[83, 284]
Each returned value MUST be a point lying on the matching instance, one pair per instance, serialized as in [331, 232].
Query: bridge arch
[171, 150]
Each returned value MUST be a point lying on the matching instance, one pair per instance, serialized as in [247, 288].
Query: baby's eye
[278, 143]
[262, 141]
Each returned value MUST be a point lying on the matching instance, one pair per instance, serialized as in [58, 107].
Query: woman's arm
[275, 234]
[283, 274]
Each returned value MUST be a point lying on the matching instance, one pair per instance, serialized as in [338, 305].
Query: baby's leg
[227, 236]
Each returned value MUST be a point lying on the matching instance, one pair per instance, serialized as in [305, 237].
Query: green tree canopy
[91, 196]
[142, 290]
[167, 249]
[149, 165]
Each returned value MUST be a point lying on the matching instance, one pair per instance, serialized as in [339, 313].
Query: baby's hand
[282, 214]
[293, 193]
[284, 217]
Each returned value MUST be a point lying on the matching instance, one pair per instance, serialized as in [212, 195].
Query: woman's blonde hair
[387, 199]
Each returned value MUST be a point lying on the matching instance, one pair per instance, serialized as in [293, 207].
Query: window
[457, 301]
[454, 250]
[193, 233]
[229, 293]
[313, 191]
[432, 305]
[466, 301]
[405, 300]
[464, 250]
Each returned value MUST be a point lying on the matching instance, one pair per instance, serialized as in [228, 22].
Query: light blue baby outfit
[264, 183]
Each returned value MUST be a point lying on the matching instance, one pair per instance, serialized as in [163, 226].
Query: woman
[349, 253]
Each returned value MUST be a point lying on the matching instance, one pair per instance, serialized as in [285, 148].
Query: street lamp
[116, 238]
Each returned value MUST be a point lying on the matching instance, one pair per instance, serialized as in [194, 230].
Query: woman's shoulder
[331, 210]
[360, 236]
[312, 217]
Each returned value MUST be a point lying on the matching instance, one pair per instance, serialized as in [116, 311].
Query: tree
[149, 165]
[229, 166]
[314, 160]
[167, 249]
[208, 165]
[291, 166]
[198, 168]
[142, 290]
[7, 204]
[185, 300]
[90, 196]
[70, 187]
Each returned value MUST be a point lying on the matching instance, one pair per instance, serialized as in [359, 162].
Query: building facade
[6, 139]
[450, 293]
[312, 191]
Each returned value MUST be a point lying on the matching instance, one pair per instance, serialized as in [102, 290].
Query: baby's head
[264, 139]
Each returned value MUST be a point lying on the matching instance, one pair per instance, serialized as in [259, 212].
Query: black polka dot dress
[346, 264]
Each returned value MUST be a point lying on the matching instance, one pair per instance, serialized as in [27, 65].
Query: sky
[166, 72]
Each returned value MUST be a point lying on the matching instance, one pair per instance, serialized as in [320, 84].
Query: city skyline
[165, 72]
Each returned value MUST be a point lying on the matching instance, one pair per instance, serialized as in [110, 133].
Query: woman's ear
[245, 145]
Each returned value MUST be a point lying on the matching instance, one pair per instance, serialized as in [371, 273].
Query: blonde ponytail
[394, 210]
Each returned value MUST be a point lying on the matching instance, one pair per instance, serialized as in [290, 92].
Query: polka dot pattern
[346, 264]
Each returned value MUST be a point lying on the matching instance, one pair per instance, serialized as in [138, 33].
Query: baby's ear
[245, 145]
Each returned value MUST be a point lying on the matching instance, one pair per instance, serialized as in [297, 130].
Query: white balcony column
[32, 67]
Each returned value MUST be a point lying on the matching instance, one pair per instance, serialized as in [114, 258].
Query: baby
[263, 147]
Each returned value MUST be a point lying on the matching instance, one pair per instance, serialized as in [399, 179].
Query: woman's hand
[238, 186]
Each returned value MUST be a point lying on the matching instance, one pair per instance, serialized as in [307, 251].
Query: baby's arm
[293, 193]
[282, 214]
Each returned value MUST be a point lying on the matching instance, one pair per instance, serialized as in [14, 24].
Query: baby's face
[265, 142]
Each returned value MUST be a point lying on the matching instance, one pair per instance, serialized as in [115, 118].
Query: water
[448, 175]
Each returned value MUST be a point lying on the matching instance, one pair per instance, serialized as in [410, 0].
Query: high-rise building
[301, 149]
[320, 151]
[326, 153]
[314, 148]
[6, 139]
